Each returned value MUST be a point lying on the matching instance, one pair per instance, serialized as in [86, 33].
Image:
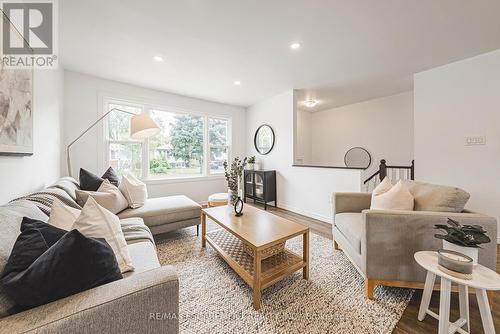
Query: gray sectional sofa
[381, 243]
[144, 301]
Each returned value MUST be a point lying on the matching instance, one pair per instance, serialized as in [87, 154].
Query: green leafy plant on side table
[464, 239]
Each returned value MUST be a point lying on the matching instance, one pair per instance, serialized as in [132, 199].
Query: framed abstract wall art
[16, 105]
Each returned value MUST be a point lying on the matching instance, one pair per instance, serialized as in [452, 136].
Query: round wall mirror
[357, 157]
[264, 139]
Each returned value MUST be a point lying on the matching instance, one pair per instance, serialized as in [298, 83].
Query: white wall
[83, 94]
[383, 126]
[303, 152]
[303, 190]
[451, 102]
[22, 175]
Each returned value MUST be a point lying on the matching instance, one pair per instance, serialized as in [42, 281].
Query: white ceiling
[352, 50]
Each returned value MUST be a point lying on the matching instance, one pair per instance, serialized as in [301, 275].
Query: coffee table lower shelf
[273, 269]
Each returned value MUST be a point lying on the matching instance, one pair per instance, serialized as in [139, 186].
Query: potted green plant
[233, 177]
[250, 162]
[464, 239]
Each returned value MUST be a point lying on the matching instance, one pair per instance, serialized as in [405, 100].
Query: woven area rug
[213, 299]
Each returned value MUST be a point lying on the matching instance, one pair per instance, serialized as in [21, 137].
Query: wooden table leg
[305, 254]
[203, 229]
[426, 295]
[484, 309]
[257, 262]
[463, 296]
[444, 306]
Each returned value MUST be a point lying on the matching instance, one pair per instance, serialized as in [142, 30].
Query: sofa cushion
[351, 226]
[134, 190]
[68, 184]
[89, 181]
[95, 221]
[437, 198]
[48, 263]
[108, 196]
[164, 210]
[395, 198]
[43, 199]
[143, 256]
[111, 176]
[63, 216]
[11, 216]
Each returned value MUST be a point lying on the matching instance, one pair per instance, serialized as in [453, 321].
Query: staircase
[395, 173]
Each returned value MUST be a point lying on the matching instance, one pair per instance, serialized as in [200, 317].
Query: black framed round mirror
[357, 157]
[264, 139]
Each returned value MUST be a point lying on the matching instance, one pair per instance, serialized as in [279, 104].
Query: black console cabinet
[260, 185]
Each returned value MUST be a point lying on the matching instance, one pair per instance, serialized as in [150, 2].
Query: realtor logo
[28, 33]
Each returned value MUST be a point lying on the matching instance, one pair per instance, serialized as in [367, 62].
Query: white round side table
[483, 279]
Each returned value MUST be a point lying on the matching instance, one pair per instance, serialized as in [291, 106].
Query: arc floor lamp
[141, 127]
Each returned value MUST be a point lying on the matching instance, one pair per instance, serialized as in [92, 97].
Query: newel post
[382, 169]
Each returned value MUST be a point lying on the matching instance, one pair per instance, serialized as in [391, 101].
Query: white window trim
[104, 142]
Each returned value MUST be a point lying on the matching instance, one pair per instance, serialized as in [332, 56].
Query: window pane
[119, 122]
[178, 149]
[217, 132]
[126, 157]
[217, 157]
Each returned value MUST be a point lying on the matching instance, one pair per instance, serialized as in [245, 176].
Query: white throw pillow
[107, 196]
[134, 190]
[396, 198]
[383, 187]
[97, 222]
[63, 216]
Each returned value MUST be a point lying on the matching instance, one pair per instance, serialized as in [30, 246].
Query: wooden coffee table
[260, 230]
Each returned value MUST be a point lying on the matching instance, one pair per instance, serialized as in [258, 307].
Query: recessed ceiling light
[295, 46]
[237, 83]
[311, 103]
[158, 59]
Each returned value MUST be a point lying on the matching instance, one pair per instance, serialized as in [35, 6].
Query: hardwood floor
[409, 323]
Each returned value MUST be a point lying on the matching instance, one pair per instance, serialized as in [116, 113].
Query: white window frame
[209, 146]
[147, 108]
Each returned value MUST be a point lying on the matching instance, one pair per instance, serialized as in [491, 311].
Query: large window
[188, 144]
[218, 145]
[124, 153]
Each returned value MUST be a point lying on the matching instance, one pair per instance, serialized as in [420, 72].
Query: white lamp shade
[142, 126]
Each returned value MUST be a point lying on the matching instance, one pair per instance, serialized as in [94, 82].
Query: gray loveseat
[381, 244]
[144, 301]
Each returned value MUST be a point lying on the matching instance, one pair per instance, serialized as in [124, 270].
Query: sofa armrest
[146, 302]
[392, 238]
[350, 202]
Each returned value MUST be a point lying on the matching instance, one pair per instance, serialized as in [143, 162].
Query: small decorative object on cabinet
[260, 185]
[251, 162]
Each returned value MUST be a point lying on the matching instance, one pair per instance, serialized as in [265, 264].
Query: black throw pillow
[111, 175]
[41, 269]
[89, 181]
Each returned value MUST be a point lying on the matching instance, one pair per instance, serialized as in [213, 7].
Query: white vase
[250, 166]
[256, 166]
[469, 251]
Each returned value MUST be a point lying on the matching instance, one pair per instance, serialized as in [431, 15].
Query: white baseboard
[305, 212]
[498, 241]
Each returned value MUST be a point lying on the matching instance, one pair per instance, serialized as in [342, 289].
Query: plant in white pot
[251, 162]
[464, 239]
[233, 177]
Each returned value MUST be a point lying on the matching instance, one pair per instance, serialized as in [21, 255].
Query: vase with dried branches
[233, 177]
